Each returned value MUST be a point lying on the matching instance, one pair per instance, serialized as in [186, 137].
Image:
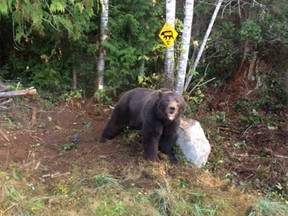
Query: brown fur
[156, 113]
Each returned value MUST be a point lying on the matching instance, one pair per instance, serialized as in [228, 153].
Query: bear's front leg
[168, 139]
[150, 140]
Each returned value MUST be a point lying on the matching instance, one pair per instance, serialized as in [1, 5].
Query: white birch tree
[203, 44]
[184, 50]
[103, 38]
[169, 57]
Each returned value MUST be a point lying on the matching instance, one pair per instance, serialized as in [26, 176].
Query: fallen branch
[229, 129]
[29, 91]
[281, 156]
[4, 135]
[4, 102]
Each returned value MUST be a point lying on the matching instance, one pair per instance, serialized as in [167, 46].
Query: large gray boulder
[193, 143]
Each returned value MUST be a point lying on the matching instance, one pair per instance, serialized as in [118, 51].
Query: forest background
[238, 91]
[55, 45]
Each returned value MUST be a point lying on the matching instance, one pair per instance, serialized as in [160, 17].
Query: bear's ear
[186, 98]
[159, 92]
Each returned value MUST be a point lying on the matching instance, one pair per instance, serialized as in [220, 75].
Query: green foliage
[270, 98]
[164, 202]
[280, 190]
[73, 94]
[179, 154]
[3, 7]
[68, 146]
[266, 207]
[264, 34]
[250, 31]
[132, 137]
[198, 97]
[62, 189]
[37, 205]
[103, 95]
[219, 116]
[46, 58]
[153, 81]
[133, 25]
[49, 76]
[196, 102]
[59, 15]
[101, 181]
[202, 210]
[57, 6]
[55, 38]
[51, 40]
[272, 95]
[49, 67]
[249, 114]
[182, 183]
[221, 51]
[110, 208]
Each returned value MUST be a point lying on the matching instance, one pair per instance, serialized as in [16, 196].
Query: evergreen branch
[51, 24]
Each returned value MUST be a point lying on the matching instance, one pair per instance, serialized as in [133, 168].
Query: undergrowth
[144, 189]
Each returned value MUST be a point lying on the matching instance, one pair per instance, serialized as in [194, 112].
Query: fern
[4, 7]
[58, 6]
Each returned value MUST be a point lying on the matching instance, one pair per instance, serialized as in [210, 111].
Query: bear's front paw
[102, 139]
[153, 158]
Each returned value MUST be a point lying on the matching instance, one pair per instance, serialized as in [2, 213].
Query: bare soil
[59, 137]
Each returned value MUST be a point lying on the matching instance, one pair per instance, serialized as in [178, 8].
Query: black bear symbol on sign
[167, 35]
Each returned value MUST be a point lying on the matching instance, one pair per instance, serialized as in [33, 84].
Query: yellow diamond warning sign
[168, 34]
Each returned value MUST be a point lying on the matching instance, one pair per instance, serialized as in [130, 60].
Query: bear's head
[170, 105]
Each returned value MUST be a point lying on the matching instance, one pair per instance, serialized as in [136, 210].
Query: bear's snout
[172, 109]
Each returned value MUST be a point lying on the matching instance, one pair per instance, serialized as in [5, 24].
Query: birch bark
[186, 37]
[195, 64]
[169, 57]
[103, 38]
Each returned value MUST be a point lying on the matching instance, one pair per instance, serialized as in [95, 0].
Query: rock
[193, 143]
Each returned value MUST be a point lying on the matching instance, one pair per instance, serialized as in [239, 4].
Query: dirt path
[59, 138]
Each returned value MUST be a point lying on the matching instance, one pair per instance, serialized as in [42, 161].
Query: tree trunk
[186, 36]
[103, 38]
[246, 71]
[286, 81]
[74, 74]
[202, 47]
[169, 57]
[30, 91]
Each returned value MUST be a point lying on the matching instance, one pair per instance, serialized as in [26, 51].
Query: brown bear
[155, 112]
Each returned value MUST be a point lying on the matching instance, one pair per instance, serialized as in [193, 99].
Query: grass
[142, 188]
[145, 189]
[267, 207]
